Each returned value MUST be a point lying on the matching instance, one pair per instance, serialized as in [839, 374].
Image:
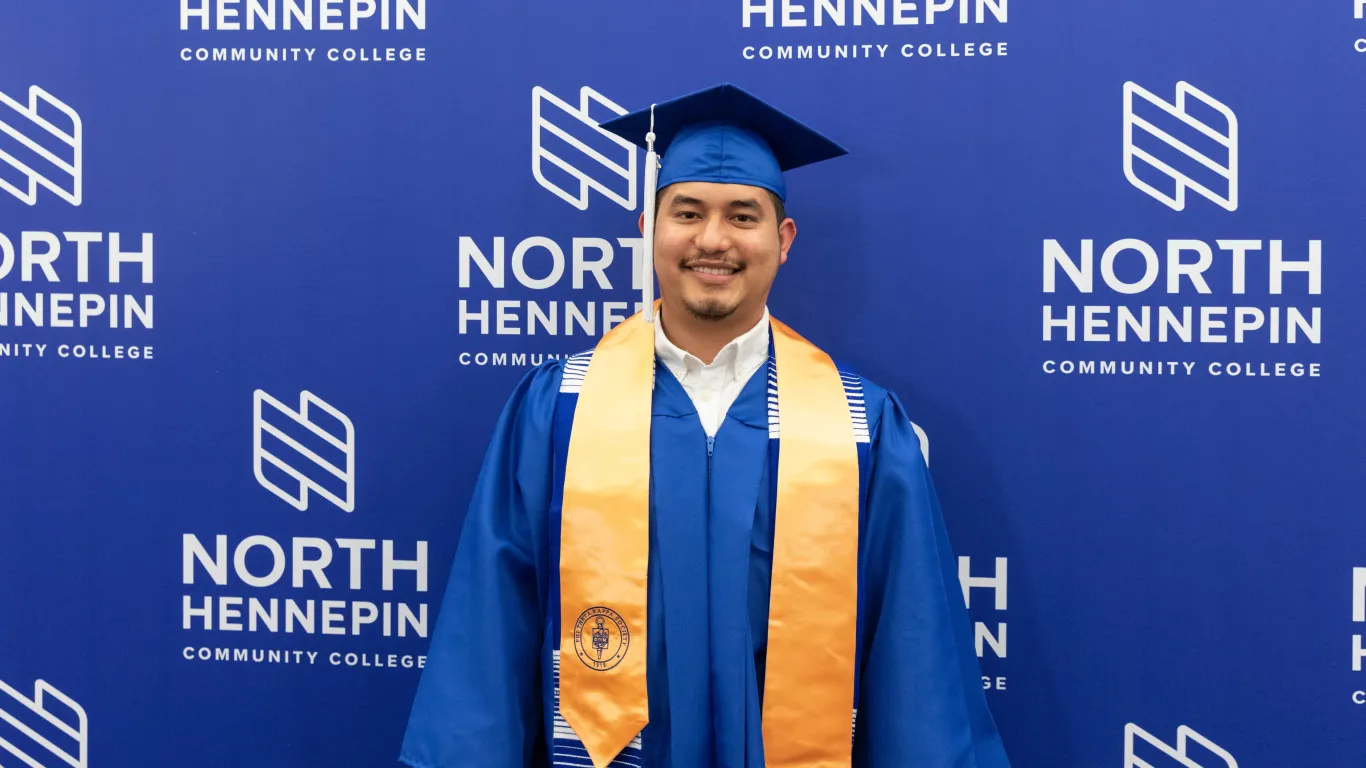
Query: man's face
[718, 248]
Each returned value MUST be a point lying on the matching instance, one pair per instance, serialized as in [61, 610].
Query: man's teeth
[714, 270]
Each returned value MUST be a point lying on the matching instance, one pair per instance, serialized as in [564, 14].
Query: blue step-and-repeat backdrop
[269, 268]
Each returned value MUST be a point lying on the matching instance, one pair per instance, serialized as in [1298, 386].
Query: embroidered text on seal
[601, 638]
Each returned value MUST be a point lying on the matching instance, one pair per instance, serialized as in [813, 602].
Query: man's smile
[713, 273]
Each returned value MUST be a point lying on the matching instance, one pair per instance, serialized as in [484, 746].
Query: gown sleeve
[921, 698]
[478, 702]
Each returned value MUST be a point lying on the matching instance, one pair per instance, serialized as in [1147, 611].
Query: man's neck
[703, 339]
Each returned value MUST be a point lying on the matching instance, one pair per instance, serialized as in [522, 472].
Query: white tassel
[647, 277]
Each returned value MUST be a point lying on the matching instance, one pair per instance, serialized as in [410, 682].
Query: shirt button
[706, 397]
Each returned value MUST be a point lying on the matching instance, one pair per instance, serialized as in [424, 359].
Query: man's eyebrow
[684, 200]
[747, 203]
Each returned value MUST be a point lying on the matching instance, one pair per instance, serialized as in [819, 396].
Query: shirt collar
[738, 359]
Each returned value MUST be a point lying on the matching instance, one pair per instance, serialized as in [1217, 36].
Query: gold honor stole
[604, 555]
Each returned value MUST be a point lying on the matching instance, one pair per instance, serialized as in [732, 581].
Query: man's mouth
[713, 273]
[713, 267]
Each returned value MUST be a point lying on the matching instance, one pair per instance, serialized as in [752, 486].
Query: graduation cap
[720, 134]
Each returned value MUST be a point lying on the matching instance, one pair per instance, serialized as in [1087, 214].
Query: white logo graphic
[1221, 142]
[341, 466]
[38, 725]
[38, 151]
[613, 177]
[1189, 746]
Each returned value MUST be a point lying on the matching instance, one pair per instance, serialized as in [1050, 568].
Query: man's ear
[787, 232]
[641, 222]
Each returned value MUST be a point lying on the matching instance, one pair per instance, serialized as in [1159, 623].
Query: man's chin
[710, 309]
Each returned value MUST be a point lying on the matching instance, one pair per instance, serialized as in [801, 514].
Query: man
[703, 544]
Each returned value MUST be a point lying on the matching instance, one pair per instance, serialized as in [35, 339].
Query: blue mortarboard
[721, 134]
[726, 135]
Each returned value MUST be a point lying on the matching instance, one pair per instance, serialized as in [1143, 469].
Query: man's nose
[714, 236]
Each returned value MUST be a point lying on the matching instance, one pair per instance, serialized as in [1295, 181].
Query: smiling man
[717, 249]
[704, 544]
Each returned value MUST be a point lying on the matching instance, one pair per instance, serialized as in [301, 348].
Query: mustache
[712, 261]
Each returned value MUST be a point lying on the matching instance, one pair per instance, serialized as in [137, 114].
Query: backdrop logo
[46, 731]
[988, 635]
[55, 282]
[34, 151]
[566, 141]
[836, 29]
[552, 287]
[1187, 150]
[1143, 750]
[289, 588]
[309, 449]
[255, 18]
[1233, 305]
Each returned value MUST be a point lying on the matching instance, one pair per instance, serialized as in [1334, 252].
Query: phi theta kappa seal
[601, 638]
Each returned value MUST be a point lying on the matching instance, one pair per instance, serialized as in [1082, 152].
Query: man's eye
[745, 218]
[686, 214]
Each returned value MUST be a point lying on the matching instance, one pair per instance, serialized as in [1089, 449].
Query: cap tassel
[647, 276]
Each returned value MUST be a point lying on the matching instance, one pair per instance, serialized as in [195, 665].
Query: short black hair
[777, 204]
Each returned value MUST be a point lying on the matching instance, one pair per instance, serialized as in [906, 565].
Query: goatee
[710, 309]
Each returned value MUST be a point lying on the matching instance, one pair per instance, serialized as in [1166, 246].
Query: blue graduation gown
[486, 698]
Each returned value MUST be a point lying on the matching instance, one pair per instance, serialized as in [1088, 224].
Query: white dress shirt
[713, 388]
